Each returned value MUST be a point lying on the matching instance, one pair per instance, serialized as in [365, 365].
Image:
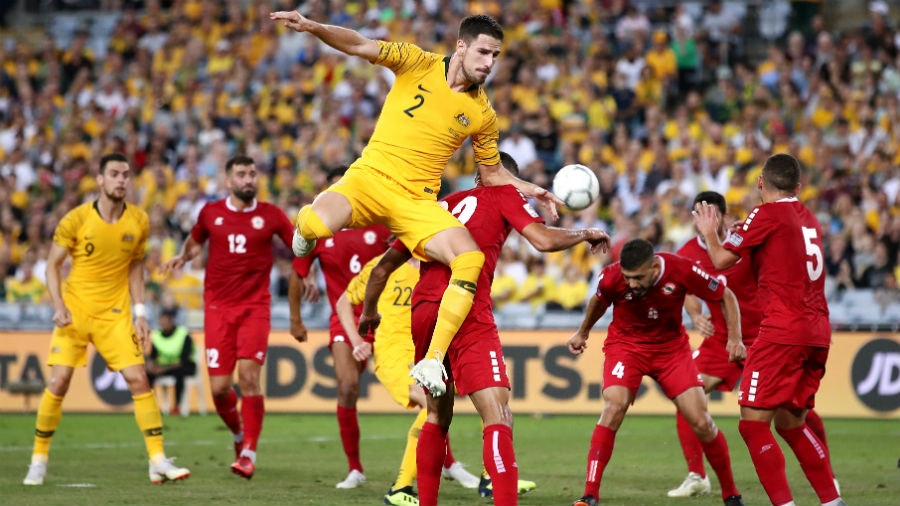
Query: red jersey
[342, 256]
[489, 213]
[655, 318]
[240, 251]
[784, 241]
[741, 279]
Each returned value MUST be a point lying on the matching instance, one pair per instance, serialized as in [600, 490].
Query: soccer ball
[577, 186]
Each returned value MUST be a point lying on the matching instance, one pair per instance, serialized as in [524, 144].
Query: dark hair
[479, 24]
[510, 163]
[782, 172]
[335, 172]
[635, 253]
[111, 157]
[238, 160]
[711, 197]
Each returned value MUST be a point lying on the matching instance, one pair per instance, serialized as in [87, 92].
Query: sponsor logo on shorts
[876, 374]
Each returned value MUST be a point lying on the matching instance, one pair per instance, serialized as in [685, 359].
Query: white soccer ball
[577, 186]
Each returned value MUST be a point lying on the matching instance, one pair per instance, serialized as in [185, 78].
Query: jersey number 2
[815, 266]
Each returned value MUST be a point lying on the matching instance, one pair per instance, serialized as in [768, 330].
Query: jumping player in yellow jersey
[105, 239]
[435, 103]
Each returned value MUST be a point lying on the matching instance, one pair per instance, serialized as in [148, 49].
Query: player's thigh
[394, 355]
[476, 358]
[711, 359]
[424, 319]
[624, 368]
[424, 225]
[117, 342]
[68, 345]
[371, 195]
[253, 328]
[675, 371]
[220, 341]
[781, 375]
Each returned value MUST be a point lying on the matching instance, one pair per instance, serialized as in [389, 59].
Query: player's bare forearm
[707, 222]
[189, 250]
[546, 238]
[595, 309]
[390, 262]
[343, 39]
[136, 281]
[55, 259]
[344, 309]
[295, 295]
[732, 312]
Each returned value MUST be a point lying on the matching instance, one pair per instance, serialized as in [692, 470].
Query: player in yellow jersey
[435, 103]
[105, 239]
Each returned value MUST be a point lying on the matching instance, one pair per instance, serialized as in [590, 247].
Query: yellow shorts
[116, 341]
[376, 198]
[394, 357]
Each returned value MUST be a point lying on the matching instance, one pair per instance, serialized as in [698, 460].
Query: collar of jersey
[447, 72]
[232, 208]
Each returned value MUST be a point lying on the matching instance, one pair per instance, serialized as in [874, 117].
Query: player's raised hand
[292, 19]
[598, 239]
[368, 323]
[62, 316]
[547, 201]
[577, 343]
[706, 219]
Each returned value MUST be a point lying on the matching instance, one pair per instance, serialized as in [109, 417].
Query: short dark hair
[335, 173]
[635, 253]
[238, 160]
[111, 157]
[479, 24]
[782, 172]
[711, 197]
[510, 163]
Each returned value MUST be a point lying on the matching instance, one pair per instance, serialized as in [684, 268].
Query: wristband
[140, 310]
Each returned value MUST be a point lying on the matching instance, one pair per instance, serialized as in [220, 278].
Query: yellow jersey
[101, 256]
[395, 302]
[423, 121]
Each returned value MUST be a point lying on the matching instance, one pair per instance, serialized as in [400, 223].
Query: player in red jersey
[340, 257]
[646, 338]
[236, 299]
[475, 356]
[782, 240]
[711, 358]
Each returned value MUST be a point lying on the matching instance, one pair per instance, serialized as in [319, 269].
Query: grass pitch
[100, 460]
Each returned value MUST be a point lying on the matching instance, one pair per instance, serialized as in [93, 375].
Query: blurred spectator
[571, 292]
[26, 287]
[538, 287]
[171, 354]
[875, 275]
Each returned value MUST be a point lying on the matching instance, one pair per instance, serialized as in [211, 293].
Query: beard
[474, 77]
[114, 196]
[246, 194]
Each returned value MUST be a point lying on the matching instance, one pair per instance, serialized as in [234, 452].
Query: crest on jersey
[127, 238]
[218, 221]
[463, 120]
[369, 237]
[257, 222]
[668, 288]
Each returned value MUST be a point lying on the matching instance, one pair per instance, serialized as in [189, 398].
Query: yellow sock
[457, 300]
[310, 225]
[149, 420]
[407, 473]
[48, 416]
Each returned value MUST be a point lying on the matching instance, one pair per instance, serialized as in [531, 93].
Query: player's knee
[310, 225]
[704, 427]
[348, 393]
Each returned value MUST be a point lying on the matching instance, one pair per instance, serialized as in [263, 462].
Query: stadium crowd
[662, 102]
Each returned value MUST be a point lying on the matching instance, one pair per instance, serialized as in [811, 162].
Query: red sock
[226, 407]
[429, 460]
[690, 446]
[602, 441]
[448, 458]
[252, 410]
[500, 460]
[768, 459]
[813, 460]
[814, 422]
[719, 459]
[348, 424]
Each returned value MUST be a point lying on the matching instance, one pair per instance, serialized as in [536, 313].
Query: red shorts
[782, 375]
[712, 360]
[672, 368]
[475, 358]
[337, 335]
[235, 333]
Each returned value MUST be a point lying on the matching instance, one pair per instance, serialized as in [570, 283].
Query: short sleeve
[356, 289]
[752, 232]
[143, 222]
[485, 142]
[66, 233]
[200, 233]
[516, 209]
[701, 283]
[403, 57]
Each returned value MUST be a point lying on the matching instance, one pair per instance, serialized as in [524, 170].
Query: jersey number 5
[815, 266]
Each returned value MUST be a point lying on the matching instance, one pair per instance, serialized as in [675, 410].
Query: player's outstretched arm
[390, 262]
[190, 250]
[496, 175]
[595, 309]
[55, 259]
[136, 288]
[546, 238]
[707, 222]
[362, 350]
[343, 39]
[735, 345]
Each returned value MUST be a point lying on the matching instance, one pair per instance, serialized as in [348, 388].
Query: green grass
[300, 460]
